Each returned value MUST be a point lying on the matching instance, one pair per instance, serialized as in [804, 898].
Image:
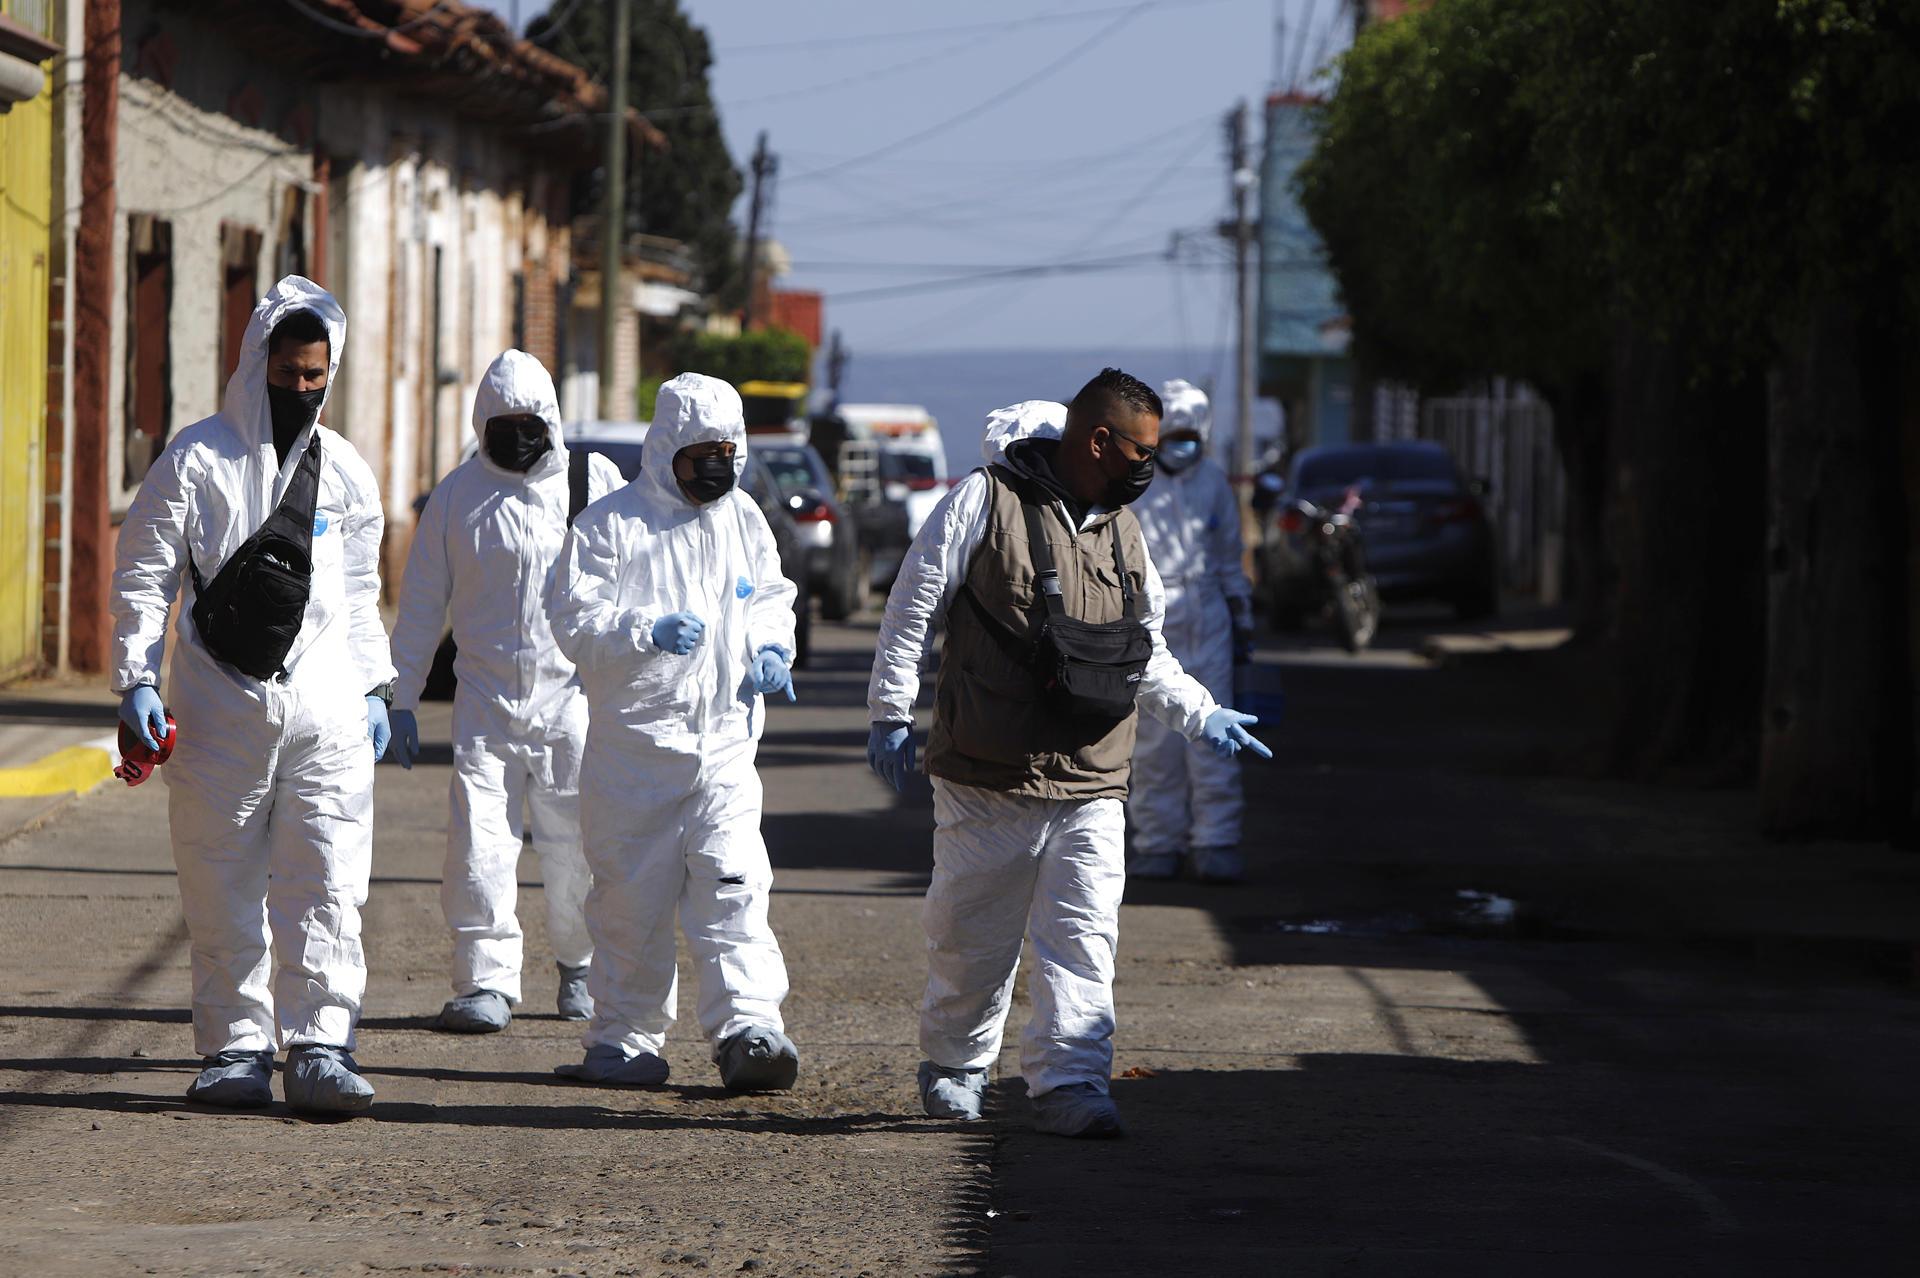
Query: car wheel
[1477, 603]
[837, 603]
[1285, 616]
[802, 629]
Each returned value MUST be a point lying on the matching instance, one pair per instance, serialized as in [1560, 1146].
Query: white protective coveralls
[1005, 865]
[486, 544]
[271, 783]
[1184, 794]
[669, 797]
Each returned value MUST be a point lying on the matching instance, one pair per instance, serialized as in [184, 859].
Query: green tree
[764, 354]
[1756, 167]
[1707, 212]
[686, 192]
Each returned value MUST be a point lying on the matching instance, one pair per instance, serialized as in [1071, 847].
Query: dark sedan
[1425, 531]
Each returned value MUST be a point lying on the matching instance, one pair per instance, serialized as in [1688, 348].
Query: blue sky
[920, 142]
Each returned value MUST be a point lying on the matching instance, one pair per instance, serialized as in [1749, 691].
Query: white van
[897, 450]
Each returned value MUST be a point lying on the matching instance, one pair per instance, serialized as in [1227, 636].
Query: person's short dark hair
[1114, 395]
[301, 327]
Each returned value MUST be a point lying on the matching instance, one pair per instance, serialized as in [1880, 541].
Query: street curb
[74, 770]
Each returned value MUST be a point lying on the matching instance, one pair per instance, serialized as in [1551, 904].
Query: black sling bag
[1090, 668]
[250, 613]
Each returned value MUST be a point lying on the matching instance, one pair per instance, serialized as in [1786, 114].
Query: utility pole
[1245, 183]
[765, 165]
[613, 221]
[836, 369]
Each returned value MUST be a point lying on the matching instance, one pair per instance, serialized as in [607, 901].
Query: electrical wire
[921, 33]
[986, 104]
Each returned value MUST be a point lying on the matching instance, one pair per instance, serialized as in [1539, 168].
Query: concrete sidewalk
[57, 740]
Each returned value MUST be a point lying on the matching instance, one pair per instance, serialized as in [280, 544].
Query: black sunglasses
[1152, 451]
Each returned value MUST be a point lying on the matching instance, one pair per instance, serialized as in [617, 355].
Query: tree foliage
[1498, 179]
[686, 192]
[763, 354]
[1455, 250]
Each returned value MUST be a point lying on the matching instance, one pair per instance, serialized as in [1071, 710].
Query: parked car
[620, 443]
[758, 483]
[838, 564]
[1426, 532]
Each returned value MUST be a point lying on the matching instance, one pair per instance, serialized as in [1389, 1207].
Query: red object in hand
[137, 758]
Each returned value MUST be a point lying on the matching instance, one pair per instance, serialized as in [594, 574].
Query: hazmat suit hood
[245, 403]
[518, 383]
[1187, 408]
[693, 408]
[1029, 419]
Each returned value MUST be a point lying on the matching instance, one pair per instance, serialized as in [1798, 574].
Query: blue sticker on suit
[319, 525]
[742, 588]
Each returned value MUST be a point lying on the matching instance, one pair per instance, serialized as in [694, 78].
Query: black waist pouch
[250, 613]
[1088, 668]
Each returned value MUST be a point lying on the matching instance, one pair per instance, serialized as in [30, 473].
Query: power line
[922, 33]
[1127, 262]
[987, 104]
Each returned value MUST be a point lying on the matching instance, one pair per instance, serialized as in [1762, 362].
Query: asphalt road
[1330, 1070]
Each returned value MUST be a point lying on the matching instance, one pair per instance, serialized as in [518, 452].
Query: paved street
[1683, 1051]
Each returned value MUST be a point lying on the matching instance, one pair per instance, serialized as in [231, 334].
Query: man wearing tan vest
[1049, 648]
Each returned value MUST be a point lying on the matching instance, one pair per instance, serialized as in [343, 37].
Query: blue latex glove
[377, 730]
[771, 674]
[1225, 733]
[406, 737]
[142, 711]
[890, 753]
[678, 633]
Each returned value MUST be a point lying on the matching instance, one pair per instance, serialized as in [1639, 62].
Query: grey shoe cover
[1153, 865]
[1219, 865]
[574, 1003]
[481, 1012]
[758, 1060]
[235, 1080]
[606, 1064]
[952, 1093]
[325, 1080]
[1078, 1109]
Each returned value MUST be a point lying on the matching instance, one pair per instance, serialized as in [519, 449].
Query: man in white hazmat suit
[669, 599]
[1185, 799]
[486, 544]
[1029, 823]
[271, 783]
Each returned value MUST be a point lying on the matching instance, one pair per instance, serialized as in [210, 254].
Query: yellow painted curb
[70, 771]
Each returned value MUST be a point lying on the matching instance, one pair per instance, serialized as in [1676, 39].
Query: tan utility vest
[991, 728]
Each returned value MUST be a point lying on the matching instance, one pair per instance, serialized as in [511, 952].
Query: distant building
[1303, 331]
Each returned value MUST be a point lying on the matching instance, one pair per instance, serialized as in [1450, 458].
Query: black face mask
[712, 478]
[293, 411]
[1128, 487]
[516, 445]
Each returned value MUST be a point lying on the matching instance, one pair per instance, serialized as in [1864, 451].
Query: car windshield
[791, 469]
[1341, 467]
[625, 456]
[915, 469]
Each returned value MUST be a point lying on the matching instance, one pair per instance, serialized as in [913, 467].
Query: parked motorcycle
[1337, 582]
